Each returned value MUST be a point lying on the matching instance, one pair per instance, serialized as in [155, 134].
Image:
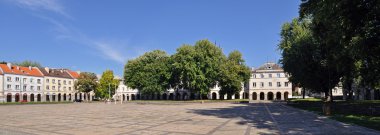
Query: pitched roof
[73, 74]
[61, 73]
[29, 71]
[269, 66]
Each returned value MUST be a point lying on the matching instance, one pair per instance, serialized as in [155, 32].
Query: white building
[21, 83]
[2, 97]
[269, 82]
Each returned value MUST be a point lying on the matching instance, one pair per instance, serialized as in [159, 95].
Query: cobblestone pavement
[186, 118]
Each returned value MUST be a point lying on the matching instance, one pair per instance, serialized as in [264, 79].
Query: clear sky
[93, 36]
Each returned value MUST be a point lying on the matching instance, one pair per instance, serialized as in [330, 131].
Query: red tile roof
[21, 70]
[74, 74]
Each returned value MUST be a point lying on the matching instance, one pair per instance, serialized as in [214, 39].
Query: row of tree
[196, 68]
[332, 42]
[104, 87]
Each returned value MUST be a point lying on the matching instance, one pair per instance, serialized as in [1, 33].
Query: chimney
[17, 67]
[78, 72]
[30, 68]
[47, 69]
[9, 65]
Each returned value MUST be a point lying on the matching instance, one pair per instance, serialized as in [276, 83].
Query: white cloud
[48, 5]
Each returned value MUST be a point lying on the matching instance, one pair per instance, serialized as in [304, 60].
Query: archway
[64, 97]
[123, 97]
[84, 96]
[229, 96]
[38, 97]
[128, 97]
[237, 95]
[262, 96]
[24, 97]
[9, 97]
[59, 97]
[286, 94]
[184, 96]
[178, 96]
[80, 96]
[171, 95]
[138, 97]
[165, 96]
[270, 95]
[245, 95]
[278, 96]
[47, 98]
[17, 97]
[69, 97]
[254, 96]
[31, 97]
[213, 96]
[53, 98]
[133, 97]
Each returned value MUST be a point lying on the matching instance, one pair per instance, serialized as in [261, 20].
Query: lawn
[363, 113]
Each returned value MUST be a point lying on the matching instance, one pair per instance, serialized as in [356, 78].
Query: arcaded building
[269, 82]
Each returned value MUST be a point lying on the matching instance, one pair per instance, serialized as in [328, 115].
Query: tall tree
[197, 67]
[233, 74]
[107, 85]
[28, 63]
[351, 29]
[306, 59]
[149, 73]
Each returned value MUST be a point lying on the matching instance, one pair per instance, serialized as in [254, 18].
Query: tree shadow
[277, 118]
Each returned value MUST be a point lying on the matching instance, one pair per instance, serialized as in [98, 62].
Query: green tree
[233, 74]
[197, 67]
[107, 84]
[149, 73]
[86, 82]
[351, 29]
[308, 61]
[28, 63]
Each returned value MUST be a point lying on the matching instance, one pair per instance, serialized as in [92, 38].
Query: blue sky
[93, 36]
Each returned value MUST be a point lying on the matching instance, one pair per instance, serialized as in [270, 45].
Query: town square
[190, 67]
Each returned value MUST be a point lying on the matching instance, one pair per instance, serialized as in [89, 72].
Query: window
[47, 80]
[270, 84]
[262, 84]
[17, 79]
[69, 88]
[47, 87]
[31, 80]
[53, 88]
[278, 75]
[254, 84]
[38, 87]
[278, 84]
[53, 81]
[286, 84]
[69, 82]
[24, 88]
[64, 82]
[39, 81]
[59, 82]
[254, 75]
[17, 87]
[286, 75]
[9, 86]
[270, 75]
[24, 80]
[64, 88]
[262, 75]
[9, 79]
[31, 87]
[59, 87]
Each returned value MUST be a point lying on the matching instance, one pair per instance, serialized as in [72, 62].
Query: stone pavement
[186, 118]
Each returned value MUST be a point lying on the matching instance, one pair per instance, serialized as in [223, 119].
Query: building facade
[58, 84]
[269, 82]
[21, 83]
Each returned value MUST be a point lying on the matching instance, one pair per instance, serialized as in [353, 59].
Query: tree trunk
[303, 93]
[327, 103]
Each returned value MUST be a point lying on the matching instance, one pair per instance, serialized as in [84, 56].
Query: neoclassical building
[268, 82]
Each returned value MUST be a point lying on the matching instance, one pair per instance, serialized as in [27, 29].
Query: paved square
[185, 118]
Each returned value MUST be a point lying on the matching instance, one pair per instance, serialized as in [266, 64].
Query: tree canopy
[150, 73]
[107, 83]
[86, 82]
[28, 63]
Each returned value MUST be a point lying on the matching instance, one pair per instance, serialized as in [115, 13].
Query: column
[13, 97]
[217, 96]
[265, 96]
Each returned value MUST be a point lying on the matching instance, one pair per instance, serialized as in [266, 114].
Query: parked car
[78, 100]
